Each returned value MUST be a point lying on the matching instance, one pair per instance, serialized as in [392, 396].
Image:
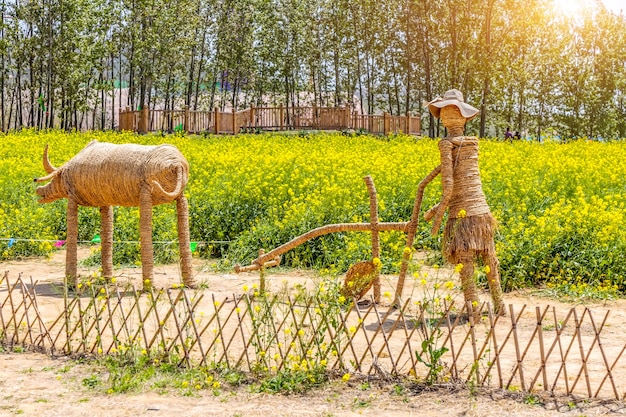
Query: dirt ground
[37, 385]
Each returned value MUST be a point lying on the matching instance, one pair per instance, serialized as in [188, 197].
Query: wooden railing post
[408, 123]
[186, 120]
[386, 123]
[314, 117]
[234, 122]
[252, 117]
[419, 125]
[129, 121]
[282, 117]
[144, 115]
[120, 122]
[216, 121]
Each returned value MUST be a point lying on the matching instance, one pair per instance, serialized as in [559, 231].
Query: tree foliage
[524, 63]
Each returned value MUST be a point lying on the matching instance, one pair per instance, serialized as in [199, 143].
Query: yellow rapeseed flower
[377, 263]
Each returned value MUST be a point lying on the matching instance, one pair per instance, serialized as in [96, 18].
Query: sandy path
[37, 385]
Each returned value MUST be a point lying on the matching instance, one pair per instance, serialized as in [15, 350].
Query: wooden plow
[272, 258]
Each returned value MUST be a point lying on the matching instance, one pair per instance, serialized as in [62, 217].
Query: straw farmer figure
[469, 230]
[104, 175]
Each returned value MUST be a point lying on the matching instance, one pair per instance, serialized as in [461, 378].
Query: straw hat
[452, 98]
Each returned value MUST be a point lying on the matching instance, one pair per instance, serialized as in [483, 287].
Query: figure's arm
[428, 178]
[447, 182]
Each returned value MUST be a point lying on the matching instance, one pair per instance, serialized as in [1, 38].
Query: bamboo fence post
[584, 358]
[542, 351]
[261, 275]
[186, 120]
[216, 121]
[491, 343]
[14, 336]
[519, 366]
[472, 323]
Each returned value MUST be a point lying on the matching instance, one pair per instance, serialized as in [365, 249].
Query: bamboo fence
[573, 352]
[264, 118]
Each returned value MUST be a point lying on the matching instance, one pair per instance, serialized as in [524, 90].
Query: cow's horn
[47, 177]
[46, 162]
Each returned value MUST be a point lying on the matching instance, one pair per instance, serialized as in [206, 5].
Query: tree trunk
[486, 59]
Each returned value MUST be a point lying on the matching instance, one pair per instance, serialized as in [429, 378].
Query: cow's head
[56, 188]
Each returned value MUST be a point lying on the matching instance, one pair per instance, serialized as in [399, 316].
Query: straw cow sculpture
[104, 175]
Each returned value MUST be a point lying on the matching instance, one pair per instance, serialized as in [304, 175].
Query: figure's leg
[182, 211]
[468, 283]
[493, 279]
[71, 256]
[106, 241]
[145, 236]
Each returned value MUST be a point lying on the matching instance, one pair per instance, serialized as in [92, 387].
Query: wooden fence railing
[264, 118]
[531, 349]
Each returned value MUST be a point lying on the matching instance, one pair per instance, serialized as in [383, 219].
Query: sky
[616, 5]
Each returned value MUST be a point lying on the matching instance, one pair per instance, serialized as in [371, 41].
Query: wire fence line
[569, 352]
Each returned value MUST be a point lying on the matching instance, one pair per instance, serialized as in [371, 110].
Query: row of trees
[524, 63]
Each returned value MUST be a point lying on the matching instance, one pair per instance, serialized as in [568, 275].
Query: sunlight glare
[568, 8]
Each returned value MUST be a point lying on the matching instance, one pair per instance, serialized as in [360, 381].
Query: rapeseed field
[560, 206]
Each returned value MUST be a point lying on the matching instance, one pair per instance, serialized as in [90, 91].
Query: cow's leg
[71, 256]
[106, 239]
[145, 236]
[182, 211]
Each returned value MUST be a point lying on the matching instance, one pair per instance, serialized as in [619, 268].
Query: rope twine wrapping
[105, 175]
[359, 279]
[462, 235]
[470, 228]
[128, 167]
[470, 224]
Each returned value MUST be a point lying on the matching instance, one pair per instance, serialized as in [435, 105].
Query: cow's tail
[179, 185]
